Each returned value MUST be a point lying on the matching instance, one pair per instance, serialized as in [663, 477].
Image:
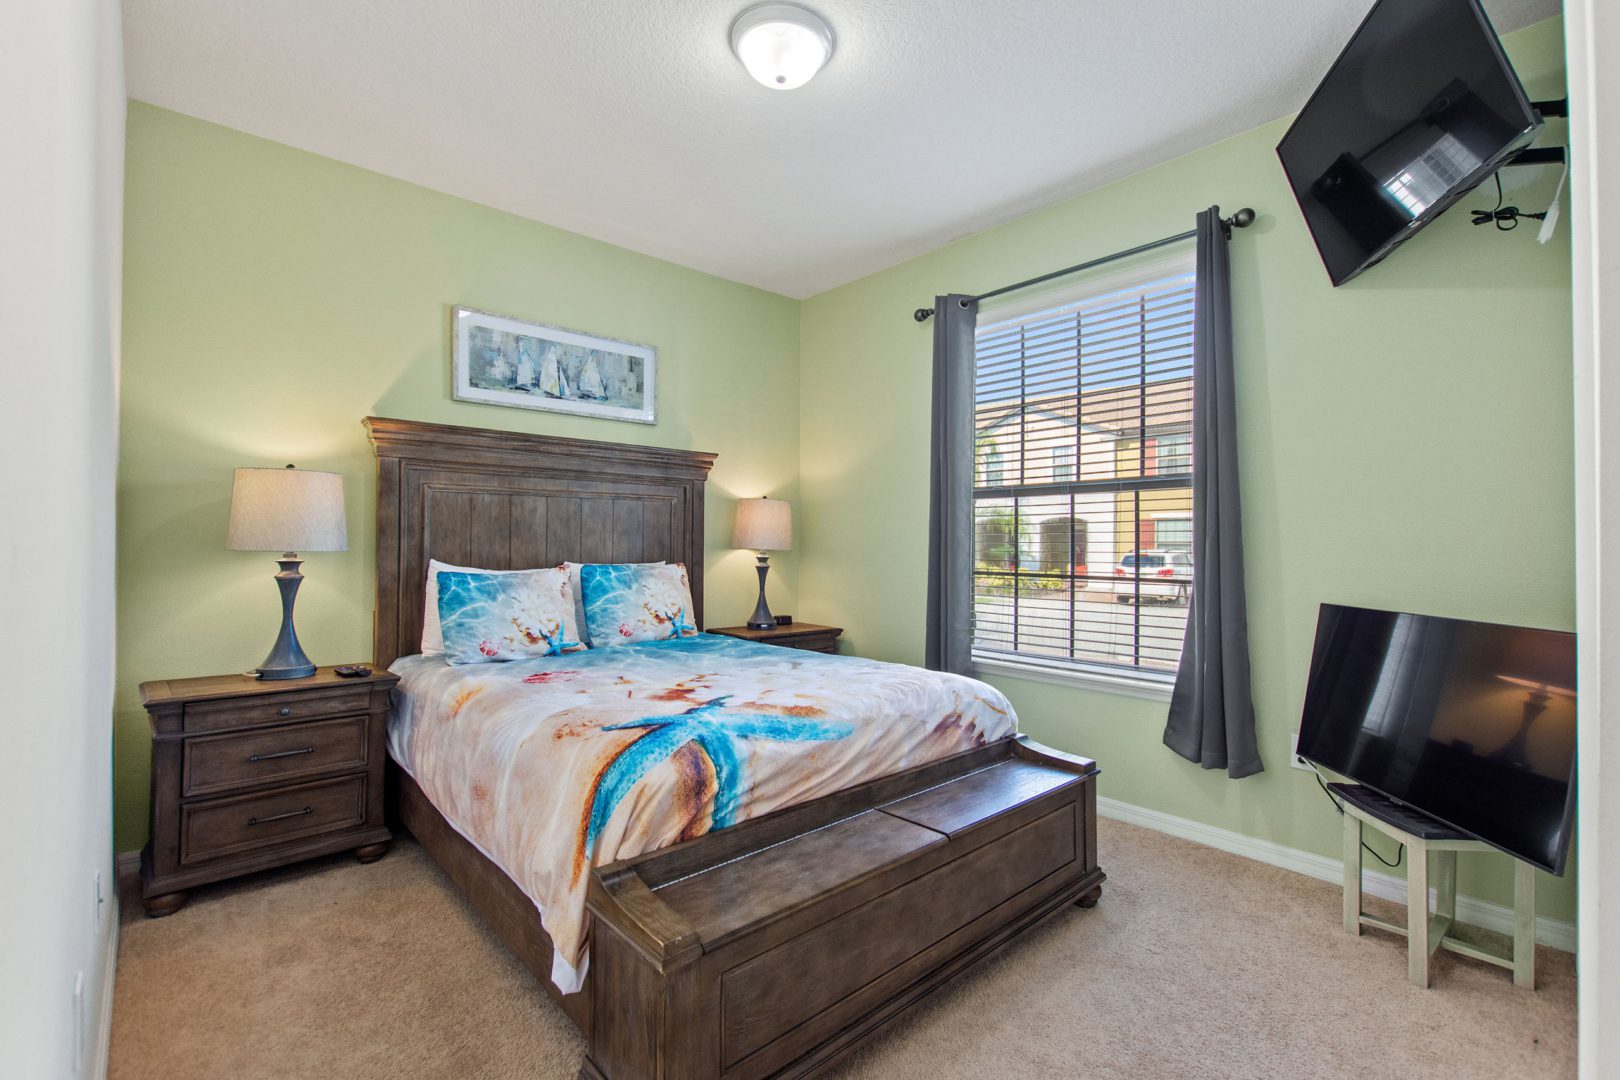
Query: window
[1174, 534]
[1173, 453]
[1083, 501]
[1062, 464]
[992, 466]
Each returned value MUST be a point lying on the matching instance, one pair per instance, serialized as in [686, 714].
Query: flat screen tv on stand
[1469, 723]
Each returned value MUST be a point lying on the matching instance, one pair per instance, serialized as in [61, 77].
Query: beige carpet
[1195, 964]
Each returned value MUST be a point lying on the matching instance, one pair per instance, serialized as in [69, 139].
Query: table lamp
[1538, 695]
[287, 510]
[763, 525]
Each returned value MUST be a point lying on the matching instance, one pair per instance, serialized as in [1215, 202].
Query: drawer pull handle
[285, 710]
[281, 817]
[281, 754]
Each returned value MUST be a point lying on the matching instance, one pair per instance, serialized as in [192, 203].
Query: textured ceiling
[632, 122]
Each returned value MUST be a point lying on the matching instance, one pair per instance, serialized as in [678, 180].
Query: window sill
[1151, 687]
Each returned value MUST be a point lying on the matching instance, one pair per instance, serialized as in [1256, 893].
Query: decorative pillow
[432, 633]
[629, 602]
[573, 569]
[506, 616]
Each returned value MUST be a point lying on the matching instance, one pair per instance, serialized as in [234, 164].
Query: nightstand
[807, 636]
[250, 774]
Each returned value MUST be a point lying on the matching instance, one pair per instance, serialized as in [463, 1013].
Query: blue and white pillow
[487, 617]
[630, 602]
[432, 635]
[574, 570]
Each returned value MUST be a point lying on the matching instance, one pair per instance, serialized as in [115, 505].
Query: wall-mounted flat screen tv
[1470, 723]
[1420, 107]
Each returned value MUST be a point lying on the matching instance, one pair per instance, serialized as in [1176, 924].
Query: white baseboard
[1470, 909]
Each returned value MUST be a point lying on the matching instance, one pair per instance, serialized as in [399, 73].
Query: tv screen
[1468, 722]
[1419, 108]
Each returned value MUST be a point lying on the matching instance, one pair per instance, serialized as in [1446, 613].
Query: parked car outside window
[1154, 575]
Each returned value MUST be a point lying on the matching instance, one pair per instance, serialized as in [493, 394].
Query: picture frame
[499, 360]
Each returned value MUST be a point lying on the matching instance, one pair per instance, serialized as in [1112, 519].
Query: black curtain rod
[1240, 220]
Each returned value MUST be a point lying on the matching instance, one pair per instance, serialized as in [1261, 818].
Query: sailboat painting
[499, 360]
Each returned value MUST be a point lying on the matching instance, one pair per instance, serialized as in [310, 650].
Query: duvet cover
[552, 765]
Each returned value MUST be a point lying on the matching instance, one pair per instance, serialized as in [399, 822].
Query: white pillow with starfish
[489, 617]
[630, 602]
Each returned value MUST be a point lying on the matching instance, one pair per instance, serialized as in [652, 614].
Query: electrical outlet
[1293, 755]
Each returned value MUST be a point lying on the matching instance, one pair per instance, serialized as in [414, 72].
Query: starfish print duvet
[553, 765]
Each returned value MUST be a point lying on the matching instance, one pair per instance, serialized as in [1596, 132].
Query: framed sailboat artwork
[499, 360]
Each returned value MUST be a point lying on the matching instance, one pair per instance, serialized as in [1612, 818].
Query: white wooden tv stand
[1425, 933]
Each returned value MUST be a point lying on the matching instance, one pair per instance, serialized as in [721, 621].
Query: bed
[880, 851]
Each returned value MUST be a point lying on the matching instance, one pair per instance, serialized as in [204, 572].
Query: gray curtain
[1211, 710]
[950, 504]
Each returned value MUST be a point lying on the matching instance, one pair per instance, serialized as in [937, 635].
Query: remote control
[352, 671]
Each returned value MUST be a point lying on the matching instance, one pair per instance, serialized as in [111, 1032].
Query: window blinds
[1083, 472]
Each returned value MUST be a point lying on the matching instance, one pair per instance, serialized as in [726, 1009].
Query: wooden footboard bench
[775, 947]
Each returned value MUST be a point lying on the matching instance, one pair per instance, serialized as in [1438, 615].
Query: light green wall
[273, 298]
[1405, 443]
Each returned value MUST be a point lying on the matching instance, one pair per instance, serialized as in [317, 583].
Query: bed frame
[775, 947]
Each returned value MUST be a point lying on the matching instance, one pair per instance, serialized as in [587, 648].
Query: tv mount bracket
[1543, 155]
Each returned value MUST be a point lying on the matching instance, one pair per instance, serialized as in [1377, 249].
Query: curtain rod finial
[1243, 218]
[923, 314]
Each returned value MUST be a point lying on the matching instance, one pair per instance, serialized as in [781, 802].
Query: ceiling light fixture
[781, 45]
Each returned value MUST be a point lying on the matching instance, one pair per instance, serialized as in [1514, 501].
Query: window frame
[1138, 682]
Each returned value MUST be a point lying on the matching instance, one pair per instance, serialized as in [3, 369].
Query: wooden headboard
[502, 500]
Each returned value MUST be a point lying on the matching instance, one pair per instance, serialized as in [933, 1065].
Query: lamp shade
[763, 525]
[1539, 661]
[287, 510]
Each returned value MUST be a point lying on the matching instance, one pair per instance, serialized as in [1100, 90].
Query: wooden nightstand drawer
[815, 643]
[806, 637]
[217, 763]
[275, 708]
[219, 827]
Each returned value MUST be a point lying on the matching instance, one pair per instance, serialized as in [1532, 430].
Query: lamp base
[287, 659]
[1517, 750]
[268, 671]
[762, 619]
